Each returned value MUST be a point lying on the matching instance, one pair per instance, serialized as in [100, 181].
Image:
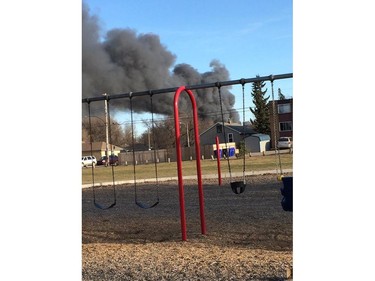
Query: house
[99, 149]
[254, 142]
[234, 134]
[233, 131]
[282, 121]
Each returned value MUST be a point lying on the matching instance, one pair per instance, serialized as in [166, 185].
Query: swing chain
[153, 140]
[218, 85]
[133, 148]
[243, 130]
[92, 170]
[91, 149]
[277, 152]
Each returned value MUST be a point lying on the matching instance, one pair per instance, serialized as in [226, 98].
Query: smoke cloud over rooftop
[125, 61]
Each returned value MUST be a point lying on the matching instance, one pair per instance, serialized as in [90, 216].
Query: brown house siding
[280, 117]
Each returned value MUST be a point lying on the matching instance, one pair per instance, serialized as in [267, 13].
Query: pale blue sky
[248, 37]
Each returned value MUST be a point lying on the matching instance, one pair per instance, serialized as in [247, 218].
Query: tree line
[261, 110]
[161, 132]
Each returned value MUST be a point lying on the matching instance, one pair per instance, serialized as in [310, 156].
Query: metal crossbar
[191, 87]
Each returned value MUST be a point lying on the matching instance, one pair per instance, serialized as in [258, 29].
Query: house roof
[281, 101]
[240, 129]
[261, 137]
[234, 126]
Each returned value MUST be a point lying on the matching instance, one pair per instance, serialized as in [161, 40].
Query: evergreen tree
[281, 96]
[261, 111]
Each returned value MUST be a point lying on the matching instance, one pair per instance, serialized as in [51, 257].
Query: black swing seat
[104, 208]
[287, 193]
[144, 206]
[238, 186]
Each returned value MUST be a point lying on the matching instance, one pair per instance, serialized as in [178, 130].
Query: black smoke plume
[125, 61]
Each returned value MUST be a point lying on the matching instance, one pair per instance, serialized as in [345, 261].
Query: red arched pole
[179, 161]
[218, 159]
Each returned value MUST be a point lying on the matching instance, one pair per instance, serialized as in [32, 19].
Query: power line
[184, 116]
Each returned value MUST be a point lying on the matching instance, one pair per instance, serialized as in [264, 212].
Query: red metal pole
[179, 167]
[198, 162]
[179, 161]
[218, 159]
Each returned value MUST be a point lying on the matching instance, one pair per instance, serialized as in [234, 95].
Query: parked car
[88, 161]
[285, 142]
[113, 160]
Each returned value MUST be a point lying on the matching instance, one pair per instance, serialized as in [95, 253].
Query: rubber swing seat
[104, 208]
[238, 186]
[287, 193]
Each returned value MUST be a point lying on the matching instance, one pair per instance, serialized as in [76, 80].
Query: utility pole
[149, 139]
[187, 132]
[106, 129]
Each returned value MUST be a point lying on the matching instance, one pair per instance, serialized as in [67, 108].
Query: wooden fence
[163, 155]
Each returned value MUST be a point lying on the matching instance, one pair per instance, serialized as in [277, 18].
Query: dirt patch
[249, 236]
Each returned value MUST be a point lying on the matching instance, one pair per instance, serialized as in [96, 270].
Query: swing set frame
[188, 90]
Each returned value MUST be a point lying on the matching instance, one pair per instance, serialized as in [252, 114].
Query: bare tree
[127, 135]
[119, 134]
[95, 128]
[163, 132]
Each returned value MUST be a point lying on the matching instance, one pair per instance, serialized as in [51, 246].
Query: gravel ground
[249, 236]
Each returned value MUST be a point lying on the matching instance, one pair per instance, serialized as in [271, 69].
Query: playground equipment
[96, 204]
[137, 202]
[218, 160]
[287, 193]
[287, 189]
[277, 152]
[179, 161]
[237, 187]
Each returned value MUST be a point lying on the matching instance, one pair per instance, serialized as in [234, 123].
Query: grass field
[147, 171]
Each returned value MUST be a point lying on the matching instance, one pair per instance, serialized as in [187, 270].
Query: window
[230, 137]
[219, 129]
[285, 126]
[284, 108]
